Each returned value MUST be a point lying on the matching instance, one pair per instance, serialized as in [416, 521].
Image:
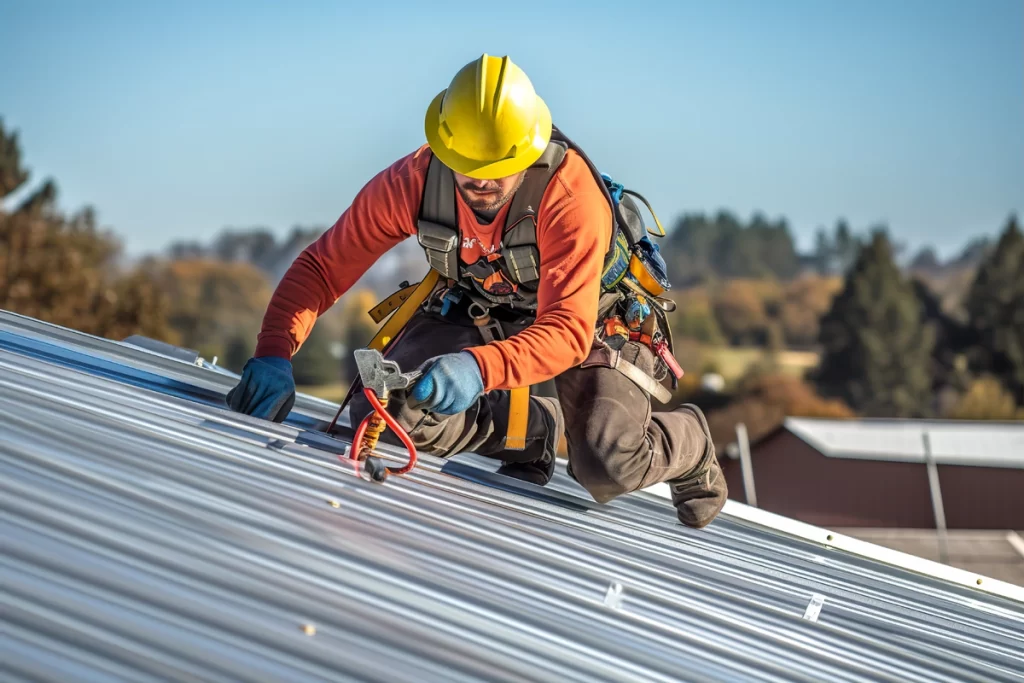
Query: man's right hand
[266, 390]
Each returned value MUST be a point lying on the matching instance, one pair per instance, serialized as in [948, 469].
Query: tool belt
[627, 319]
[602, 355]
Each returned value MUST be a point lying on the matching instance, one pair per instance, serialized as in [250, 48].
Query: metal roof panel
[149, 533]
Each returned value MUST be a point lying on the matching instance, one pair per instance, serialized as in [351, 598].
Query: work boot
[537, 464]
[701, 494]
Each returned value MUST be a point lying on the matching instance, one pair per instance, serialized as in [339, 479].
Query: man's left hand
[450, 384]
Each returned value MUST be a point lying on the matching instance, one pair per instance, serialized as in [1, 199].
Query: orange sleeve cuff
[492, 366]
[273, 346]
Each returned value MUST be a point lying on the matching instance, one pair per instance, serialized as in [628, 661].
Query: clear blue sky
[176, 119]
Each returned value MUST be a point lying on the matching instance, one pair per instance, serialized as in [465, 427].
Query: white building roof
[953, 442]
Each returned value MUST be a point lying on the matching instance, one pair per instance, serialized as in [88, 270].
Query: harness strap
[642, 379]
[389, 305]
[519, 242]
[393, 326]
[518, 412]
[519, 398]
[437, 230]
[605, 356]
[405, 312]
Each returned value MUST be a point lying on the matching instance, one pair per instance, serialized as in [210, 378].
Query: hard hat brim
[486, 170]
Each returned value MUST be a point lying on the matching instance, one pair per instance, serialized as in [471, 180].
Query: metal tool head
[380, 375]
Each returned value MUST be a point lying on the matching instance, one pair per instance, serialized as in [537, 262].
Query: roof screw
[613, 596]
[333, 503]
[309, 629]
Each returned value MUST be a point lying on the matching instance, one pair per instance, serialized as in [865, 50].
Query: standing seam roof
[148, 533]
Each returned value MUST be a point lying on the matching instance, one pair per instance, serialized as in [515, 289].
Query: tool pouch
[653, 329]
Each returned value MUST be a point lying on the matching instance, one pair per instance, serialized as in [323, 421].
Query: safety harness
[502, 287]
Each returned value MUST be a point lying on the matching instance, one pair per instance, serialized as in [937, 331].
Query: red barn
[873, 473]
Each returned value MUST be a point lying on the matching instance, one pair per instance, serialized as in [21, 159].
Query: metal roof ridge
[854, 546]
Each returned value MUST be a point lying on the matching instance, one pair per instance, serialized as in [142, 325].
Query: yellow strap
[518, 412]
[389, 305]
[519, 399]
[405, 312]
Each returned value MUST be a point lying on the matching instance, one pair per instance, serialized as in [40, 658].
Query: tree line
[702, 248]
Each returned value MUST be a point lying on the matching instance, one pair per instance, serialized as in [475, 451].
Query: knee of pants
[609, 454]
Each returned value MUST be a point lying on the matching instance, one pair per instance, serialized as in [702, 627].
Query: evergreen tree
[12, 175]
[703, 247]
[995, 307]
[925, 259]
[847, 246]
[877, 350]
[822, 252]
[952, 340]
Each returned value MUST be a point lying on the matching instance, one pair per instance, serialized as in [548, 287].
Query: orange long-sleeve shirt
[573, 232]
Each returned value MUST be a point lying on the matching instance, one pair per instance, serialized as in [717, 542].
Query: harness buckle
[490, 329]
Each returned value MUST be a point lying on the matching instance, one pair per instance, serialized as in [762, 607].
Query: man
[516, 305]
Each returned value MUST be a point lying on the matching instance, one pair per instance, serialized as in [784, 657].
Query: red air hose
[361, 442]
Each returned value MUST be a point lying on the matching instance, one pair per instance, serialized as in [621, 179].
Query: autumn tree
[877, 352]
[764, 400]
[216, 307]
[64, 269]
[986, 399]
[742, 309]
[694, 317]
[804, 301]
[358, 327]
[995, 307]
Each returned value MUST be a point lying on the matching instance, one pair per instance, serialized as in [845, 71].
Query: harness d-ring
[484, 313]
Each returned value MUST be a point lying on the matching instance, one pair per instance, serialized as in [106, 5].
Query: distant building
[872, 473]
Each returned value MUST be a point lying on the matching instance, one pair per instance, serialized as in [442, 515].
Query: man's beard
[490, 206]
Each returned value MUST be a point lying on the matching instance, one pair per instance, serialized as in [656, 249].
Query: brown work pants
[616, 444]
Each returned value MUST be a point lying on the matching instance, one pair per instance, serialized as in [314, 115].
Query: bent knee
[609, 451]
[606, 474]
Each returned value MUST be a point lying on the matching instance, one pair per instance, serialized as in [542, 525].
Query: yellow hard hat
[489, 122]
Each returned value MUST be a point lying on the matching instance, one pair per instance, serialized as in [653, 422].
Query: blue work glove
[266, 390]
[450, 384]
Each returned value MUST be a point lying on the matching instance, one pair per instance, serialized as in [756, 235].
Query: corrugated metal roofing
[953, 442]
[150, 534]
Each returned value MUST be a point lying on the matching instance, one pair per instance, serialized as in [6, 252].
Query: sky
[175, 120]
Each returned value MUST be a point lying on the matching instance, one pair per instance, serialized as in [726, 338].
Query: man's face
[488, 195]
